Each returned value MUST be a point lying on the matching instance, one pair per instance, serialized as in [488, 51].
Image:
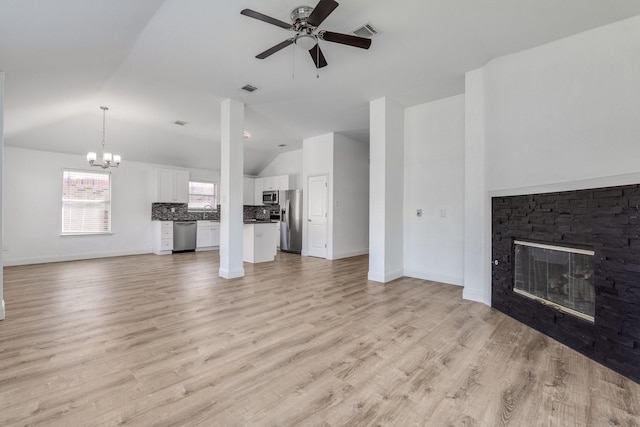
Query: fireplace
[555, 275]
[568, 264]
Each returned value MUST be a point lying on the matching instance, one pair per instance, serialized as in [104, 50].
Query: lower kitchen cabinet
[162, 237]
[259, 242]
[208, 235]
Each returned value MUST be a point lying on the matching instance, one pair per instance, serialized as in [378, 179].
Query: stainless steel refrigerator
[291, 221]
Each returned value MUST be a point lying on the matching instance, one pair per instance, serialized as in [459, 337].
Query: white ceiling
[156, 61]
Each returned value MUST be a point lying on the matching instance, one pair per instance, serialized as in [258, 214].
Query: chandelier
[108, 160]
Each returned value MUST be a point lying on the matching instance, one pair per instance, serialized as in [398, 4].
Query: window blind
[86, 202]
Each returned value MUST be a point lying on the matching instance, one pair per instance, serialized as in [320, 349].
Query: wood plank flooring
[161, 340]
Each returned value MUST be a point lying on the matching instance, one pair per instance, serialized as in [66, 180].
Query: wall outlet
[173, 210]
[419, 213]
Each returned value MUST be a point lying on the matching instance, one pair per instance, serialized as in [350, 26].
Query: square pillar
[231, 192]
[386, 189]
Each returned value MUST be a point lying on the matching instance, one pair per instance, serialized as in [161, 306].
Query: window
[201, 194]
[86, 202]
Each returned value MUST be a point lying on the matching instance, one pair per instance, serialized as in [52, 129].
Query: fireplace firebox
[556, 275]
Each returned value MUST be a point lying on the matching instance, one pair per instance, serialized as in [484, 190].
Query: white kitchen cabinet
[248, 194]
[269, 183]
[284, 182]
[172, 186]
[162, 237]
[258, 188]
[207, 235]
[259, 242]
[278, 234]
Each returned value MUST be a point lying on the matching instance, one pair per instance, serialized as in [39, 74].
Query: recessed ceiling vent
[366, 31]
[249, 88]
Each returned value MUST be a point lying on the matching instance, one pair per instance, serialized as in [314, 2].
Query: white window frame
[215, 195]
[62, 205]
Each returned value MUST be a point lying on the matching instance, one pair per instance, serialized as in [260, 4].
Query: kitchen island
[259, 241]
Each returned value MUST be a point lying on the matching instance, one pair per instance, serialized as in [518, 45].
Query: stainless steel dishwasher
[184, 236]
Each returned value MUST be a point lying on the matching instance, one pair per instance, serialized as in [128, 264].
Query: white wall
[566, 111]
[287, 163]
[434, 183]
[563, 114]
[2, 181]
[317, 159]
[33, 208]
[350, 198]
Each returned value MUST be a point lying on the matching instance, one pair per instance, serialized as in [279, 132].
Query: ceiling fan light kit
[305, 22]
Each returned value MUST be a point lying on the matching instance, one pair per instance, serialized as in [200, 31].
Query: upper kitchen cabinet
[285, 182]
[258, 188]
[173, 186]
[269, 183]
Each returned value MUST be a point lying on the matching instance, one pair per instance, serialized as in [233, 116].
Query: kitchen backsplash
[163, 212]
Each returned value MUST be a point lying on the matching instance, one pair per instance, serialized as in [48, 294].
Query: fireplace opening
[557, 276]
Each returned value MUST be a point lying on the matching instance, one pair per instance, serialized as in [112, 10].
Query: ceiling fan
[305, 22]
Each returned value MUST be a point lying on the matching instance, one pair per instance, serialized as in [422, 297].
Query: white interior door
[317, 219]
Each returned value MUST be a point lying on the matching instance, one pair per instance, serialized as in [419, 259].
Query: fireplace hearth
[568, 264]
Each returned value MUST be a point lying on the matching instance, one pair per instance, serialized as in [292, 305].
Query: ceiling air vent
[180, 122]
[366, 31]
[249, 88]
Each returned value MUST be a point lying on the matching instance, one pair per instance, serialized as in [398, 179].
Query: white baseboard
[475, 295]
[1, 309]
[378, 276]
[349, 254]
[229, 274]
[434, 277]
[72, 257]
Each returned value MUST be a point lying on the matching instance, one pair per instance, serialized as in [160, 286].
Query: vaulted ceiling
[153, 62]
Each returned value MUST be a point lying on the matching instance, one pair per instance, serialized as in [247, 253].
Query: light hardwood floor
[161, 340]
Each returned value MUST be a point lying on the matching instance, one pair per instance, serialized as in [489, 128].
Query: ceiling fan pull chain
[317, 58]
[293, 64]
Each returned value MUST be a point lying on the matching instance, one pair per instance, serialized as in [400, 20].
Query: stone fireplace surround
[605, 220]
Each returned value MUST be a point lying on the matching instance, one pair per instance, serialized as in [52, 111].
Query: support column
[1, 191]
[231, 181]
[386, 188]
[477, 205]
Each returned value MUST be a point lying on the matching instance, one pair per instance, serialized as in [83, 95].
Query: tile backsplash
[163, 212]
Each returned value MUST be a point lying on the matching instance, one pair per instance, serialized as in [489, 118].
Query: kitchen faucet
[204, 211]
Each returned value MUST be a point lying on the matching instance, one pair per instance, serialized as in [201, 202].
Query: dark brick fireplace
[603, 220]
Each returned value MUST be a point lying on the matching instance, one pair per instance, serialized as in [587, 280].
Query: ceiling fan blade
[347, 39]
[262, 17]
[321, 11]
[317, 56]
[274, 49]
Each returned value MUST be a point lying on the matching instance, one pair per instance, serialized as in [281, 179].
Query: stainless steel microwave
[270, 198]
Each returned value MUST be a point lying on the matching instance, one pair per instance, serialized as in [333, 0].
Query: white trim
[434, 277]
[227, 274]
[475, 295]
[73, 257]
[581, 184]
[349, 254]
[555, 248]
[2, 312]
[554, 305]
[384, 277]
